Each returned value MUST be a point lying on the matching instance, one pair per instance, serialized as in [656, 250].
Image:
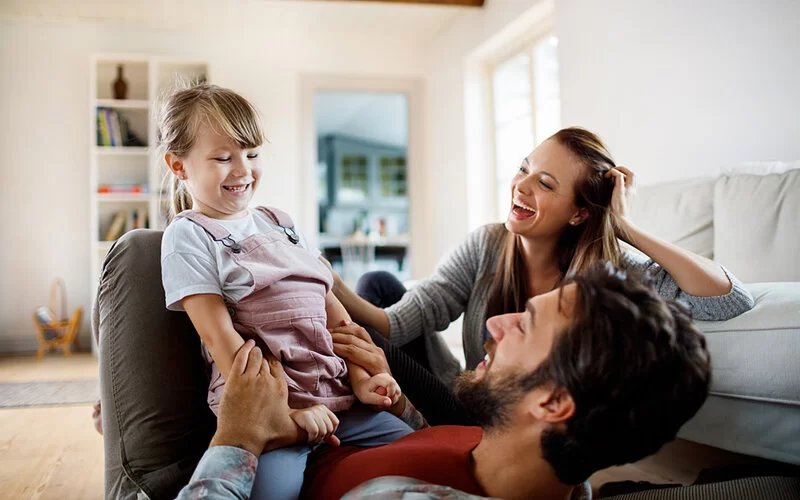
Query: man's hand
[254, 411]
[319, 422]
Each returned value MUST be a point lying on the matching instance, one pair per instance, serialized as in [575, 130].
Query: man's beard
[490, 401]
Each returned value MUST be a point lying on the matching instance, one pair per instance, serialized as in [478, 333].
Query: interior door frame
[413, 90]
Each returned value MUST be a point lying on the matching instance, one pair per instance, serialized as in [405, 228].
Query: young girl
[245, 273]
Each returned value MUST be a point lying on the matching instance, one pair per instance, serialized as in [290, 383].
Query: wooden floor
[50, 452]
[55, 453]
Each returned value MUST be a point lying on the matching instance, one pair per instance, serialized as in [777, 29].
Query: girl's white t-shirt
[193, 263]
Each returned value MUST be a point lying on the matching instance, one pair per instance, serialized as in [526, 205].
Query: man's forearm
[224, 473]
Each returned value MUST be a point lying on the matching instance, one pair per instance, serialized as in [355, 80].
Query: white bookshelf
[123, 164]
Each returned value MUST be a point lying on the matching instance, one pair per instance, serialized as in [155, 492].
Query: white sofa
[748, 220]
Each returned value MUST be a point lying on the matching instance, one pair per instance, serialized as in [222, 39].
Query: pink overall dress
[284, 312]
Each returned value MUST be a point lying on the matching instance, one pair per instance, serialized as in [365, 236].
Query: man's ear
[175, 165]
[553, 406]
[579, 217]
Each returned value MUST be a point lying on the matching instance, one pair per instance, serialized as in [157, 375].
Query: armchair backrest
[153, 379]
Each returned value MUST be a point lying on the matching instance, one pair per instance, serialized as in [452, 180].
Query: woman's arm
[212, 321]
[433, 303]
[693, 274]
[362, 312]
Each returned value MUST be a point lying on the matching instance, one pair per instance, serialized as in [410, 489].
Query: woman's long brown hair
[579, 246]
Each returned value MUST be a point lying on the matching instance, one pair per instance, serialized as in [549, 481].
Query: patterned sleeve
[404, 488]
[224, 473]
[718, 308]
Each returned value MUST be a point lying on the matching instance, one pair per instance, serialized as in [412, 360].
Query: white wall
[678, 89]
[44, 130]
[446, 145]
[683, 88]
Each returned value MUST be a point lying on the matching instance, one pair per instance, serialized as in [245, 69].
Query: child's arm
[376, 391]
[210, 318]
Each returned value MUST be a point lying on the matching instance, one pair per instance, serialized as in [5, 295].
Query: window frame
[523, 46]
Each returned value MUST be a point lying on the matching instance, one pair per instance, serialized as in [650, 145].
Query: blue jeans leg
[361, 426]
[280, 472]
[380, 288]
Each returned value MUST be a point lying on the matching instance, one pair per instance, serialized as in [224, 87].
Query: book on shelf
[113, 129]
[123, 188]
[124, 221]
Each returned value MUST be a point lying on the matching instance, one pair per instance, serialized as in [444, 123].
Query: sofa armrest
[153, 380]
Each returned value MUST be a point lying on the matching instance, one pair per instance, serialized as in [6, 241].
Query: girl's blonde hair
[181, 113]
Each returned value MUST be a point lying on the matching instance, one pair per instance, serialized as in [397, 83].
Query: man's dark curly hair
[635, 366]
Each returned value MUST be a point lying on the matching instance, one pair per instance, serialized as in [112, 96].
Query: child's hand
[380, 391]
[319, 422]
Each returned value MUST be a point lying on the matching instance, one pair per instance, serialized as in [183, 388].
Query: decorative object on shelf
[120, 86]
[54, 330]
[123, 188]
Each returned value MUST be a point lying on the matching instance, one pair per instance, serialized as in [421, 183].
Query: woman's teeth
[237, 189]
[523, 206]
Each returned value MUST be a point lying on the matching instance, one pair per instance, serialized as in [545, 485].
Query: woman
[569, 206]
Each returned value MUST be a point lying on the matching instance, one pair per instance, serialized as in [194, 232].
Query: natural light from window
[527, 109]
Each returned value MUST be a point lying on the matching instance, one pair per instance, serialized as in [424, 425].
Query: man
[600, 372]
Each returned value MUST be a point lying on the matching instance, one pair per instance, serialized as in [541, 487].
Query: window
[527, 110]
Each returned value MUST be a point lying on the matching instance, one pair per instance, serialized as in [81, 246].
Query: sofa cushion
[756, 226]
[153, 380]
[757, 354]
[679, 212]
[754, 406]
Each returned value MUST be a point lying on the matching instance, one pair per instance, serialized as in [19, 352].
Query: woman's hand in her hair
[624, 190]
[353, 343]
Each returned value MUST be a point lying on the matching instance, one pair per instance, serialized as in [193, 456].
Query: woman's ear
[579, 217]
[175, 165]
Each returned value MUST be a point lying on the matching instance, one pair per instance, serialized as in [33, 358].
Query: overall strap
[216, 230]
[282, 219]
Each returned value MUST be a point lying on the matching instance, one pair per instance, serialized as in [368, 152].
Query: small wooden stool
[56, 331]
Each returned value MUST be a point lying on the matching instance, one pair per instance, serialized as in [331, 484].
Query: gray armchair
[153, 383]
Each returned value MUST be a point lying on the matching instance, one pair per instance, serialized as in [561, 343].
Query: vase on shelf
[120, 86]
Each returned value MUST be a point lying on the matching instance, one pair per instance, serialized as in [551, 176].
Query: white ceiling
[378, 117]
[402, 20]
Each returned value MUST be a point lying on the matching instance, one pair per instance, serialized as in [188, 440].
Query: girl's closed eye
[252, 156]
[223, 159]
[546, 185]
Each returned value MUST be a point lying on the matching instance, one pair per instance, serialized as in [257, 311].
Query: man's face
[520, 343]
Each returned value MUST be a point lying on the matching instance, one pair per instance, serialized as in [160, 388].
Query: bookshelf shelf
[122, 150]
[122, 103]
[127, 121]
[123, 197]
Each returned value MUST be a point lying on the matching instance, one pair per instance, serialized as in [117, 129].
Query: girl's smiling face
[219, 174]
